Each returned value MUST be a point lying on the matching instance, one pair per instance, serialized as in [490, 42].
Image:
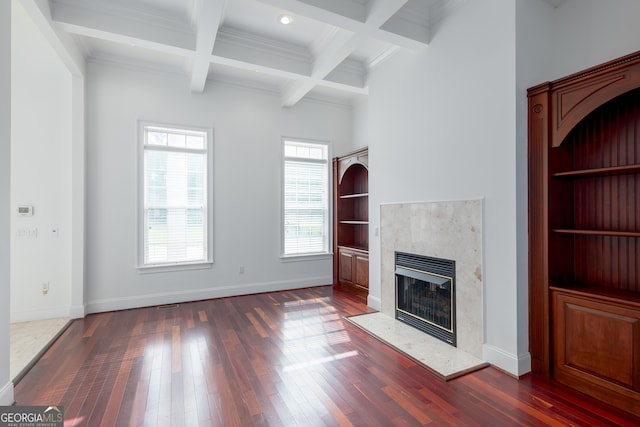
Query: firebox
[425, 294]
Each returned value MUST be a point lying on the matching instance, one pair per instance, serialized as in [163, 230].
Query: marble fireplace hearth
[450, 230]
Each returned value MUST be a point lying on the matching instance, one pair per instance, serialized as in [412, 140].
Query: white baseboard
[78, 311]
[114, 304]
[6, 395]
[515, 365]
[39, 314]
[374, 302]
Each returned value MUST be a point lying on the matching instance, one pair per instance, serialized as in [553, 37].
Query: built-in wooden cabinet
[596, 341]
[353, 267]
[584, 231]
[351, 220]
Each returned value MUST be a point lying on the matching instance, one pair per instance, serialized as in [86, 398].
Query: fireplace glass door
[425, 300]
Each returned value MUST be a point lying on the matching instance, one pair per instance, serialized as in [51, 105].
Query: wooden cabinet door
[362, 270]
[346, 269]
[597, 348]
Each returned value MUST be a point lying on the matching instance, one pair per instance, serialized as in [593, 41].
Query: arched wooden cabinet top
[572, 98]
[360, 157]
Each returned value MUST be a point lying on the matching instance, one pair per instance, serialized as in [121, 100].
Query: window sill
[303, 257]
[164, 268]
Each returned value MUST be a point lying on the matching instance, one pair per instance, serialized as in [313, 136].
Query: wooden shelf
[354, 196]
[610, 171]
[354, 248]
[587, 290]
[611, 233]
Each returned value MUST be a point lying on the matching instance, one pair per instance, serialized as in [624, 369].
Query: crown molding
[83, 46]
[411, 15]
[325, 38]
[351, 66]
[121, 61]
[127, 10]
[252, 41]
[381, 56]
[271, 90]
[334, 102]
[127, 63]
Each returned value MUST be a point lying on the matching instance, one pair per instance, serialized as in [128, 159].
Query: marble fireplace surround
[447, 229]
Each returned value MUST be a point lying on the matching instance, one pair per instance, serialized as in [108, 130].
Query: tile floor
[29, 338]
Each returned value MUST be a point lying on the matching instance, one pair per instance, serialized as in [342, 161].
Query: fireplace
[425, 294]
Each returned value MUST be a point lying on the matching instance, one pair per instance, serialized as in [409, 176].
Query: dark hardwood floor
[279, 359]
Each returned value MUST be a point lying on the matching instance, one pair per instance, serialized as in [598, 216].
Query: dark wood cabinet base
[596, 341]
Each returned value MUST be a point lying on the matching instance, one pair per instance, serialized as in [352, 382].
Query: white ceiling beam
[209, 18]
[356, 90]
[142, 41]
[62, 43]
[316, 10]
[333, 53]
[283, 74]
[123, 29]
[339, 47]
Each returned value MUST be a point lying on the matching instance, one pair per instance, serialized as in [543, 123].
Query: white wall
[590, 32]
[360, 125]
[442, 126]
[41, 175]
[534, 40]
[6, 386]
[248, 126]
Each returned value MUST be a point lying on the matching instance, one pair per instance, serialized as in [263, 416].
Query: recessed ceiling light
[285, 19]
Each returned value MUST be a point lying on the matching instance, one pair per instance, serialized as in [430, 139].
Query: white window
[175, 196]
[306, 198]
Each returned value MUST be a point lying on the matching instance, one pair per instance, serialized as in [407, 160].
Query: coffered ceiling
[326, 52]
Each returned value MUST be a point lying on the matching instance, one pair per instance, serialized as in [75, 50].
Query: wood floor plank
[277, 359]
[116, 394]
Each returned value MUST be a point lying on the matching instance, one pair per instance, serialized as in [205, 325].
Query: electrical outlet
[45, 288]
[241, 269]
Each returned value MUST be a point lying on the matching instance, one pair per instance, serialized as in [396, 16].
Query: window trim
[209, 226]
[316, 255]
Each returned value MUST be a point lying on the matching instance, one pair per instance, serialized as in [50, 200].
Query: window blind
[306, 199]
[175, 196]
